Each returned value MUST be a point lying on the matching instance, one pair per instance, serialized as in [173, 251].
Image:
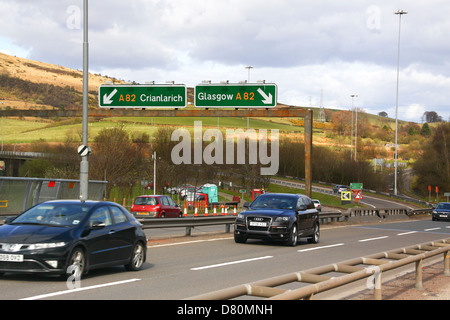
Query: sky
[319, 53]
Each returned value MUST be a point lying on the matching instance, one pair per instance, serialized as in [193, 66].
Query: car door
[311, 211]
[173, 207]
[302, 215]
[98, 239]
[167, 207]
[122, 234]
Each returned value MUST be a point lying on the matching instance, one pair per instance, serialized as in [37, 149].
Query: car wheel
[239, 238]
[76, 264]
[293, 237]
[316, 234]
[137, 257]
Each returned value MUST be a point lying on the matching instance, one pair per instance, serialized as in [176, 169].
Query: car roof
[284, 194]
[151, 196]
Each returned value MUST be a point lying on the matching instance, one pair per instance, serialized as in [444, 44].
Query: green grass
[17, 131]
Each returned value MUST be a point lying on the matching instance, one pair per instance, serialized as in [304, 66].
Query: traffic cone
[196, 211]
[226, 210]
[185, 210]
[206, 210]
[223, 213]
[234, 211]
[215, 212]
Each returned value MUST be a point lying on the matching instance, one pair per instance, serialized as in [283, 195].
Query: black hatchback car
[276, 216]
[71, 237]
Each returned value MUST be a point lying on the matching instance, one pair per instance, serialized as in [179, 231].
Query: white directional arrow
[268, 99]
[107, 98]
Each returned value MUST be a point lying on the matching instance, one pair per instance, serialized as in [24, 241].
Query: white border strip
[58, 293]
[229, 263]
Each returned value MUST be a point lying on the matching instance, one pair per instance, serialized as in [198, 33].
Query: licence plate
[443, 216]
[258, 224]
[11, 257]
[142, 213]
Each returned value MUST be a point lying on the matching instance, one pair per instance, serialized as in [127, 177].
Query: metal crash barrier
[19, 194]
[321, 279]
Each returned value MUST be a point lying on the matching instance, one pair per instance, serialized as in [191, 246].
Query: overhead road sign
[142, 96]
[242, 95]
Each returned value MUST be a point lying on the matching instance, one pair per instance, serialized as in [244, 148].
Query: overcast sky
[336, 47]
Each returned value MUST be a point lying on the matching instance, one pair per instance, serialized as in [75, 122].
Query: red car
[157, 206]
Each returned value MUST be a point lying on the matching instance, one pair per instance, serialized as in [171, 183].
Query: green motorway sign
[142, 96]
[236, 95]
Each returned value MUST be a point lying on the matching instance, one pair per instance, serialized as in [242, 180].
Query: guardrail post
[447, 263]
[377, 288]
[188, 231]
[419, 264]
[227, 228]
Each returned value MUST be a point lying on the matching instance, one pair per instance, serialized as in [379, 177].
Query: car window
[165, 201]
[143, 201]
[306, 202]
[118, 215]
[54, 214]
[443, 206]
[274, 202]
[101, 215]
[171, 202]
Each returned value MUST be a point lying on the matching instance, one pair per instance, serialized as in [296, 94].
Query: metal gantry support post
[308, 152]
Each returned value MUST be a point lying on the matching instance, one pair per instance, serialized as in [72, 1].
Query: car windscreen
[444, 206]
[54, 214]
[274, 202]
[146, 201]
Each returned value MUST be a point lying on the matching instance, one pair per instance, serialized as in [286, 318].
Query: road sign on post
[142, 96]
[346, 197]
[240, 95]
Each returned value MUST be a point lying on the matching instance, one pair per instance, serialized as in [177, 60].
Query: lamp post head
[400, 12]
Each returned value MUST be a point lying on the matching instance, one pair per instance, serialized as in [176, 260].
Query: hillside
[29, 84]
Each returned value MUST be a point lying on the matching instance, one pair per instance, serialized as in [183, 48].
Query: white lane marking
[58, 293]
[372, 239]
[229, 263]
[431, 229]
[322, 247]
[185, 242]
[405, 233]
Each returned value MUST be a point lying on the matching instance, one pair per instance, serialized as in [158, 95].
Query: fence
[19, 194]
[322, 279]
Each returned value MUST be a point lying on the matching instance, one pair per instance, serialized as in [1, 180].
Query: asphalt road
[197, 265]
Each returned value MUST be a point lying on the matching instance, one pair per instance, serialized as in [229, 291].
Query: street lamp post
[399, 13]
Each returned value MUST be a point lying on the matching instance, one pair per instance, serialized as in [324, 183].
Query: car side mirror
[97, 225]
[302, 207]
[8, 220]
[246, 204]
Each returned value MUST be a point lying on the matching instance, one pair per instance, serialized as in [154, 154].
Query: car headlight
[240, 216]
[282, 219]
[48, 245]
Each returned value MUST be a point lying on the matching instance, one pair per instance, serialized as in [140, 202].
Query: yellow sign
[346, 196]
